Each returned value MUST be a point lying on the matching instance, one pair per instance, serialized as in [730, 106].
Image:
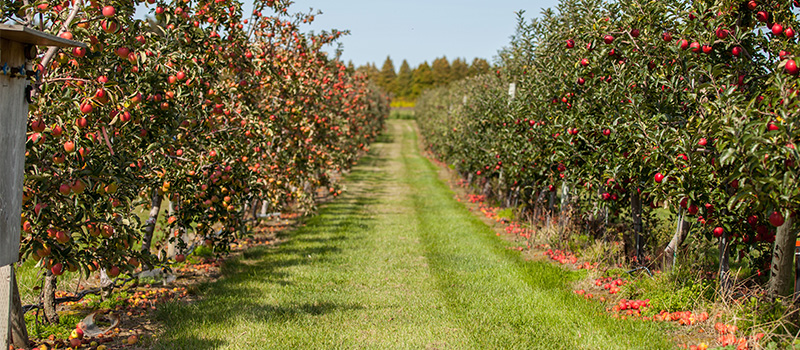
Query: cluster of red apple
[516, 229]
[205, 266]
[561, 256]
[683, 318]
[727, 337]
[147, 298]
[611, 284]
[474, 198]
[587, 266]
[630, 308]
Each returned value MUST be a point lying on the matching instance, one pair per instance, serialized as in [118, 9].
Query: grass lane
[394, 263]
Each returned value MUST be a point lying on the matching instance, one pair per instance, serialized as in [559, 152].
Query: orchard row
[217, 111]
[628, 106]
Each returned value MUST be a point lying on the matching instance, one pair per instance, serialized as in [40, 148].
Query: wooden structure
[17, 47]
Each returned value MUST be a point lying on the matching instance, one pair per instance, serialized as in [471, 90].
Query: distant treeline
[407, 84]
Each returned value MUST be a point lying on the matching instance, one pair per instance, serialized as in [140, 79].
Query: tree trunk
[562, 216]
[254, 209]
[155, 209]
[781, 281]
[681, 232]
[551, 206]
[19, 331]
[636, 214]
[264, 208]
[49, 297]
[501, 184]
[487, 189]
[176, 235]
[106, 285]
[725, 281]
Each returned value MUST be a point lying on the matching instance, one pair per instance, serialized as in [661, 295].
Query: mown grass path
[395, 263]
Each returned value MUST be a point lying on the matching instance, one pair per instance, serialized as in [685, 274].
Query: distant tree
[423, 79]
[459, 69]
[479, 66]
[387, 76]
[370, 70]
[350, 66]
[442, 74]
[404, 82]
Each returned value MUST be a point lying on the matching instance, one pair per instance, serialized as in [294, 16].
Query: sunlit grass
[395, 263]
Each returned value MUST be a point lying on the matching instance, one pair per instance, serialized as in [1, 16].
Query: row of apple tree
[627, 106]
[216, 111]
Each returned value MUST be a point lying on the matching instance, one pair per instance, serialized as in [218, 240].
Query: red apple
[722, 33]
[570, 43]
[584, 62]
[702, 141]
[718, 231]
[608, 39]
[736, 51]
[62, 237]
[57, 269]
[777, 29]
[65, 189]
[791, 67]
[762, 16]
[683, 44]
[659, 177]
[789, 32]
[56, 130]
[113, 271]
[635, 33]
[776, 219]
[667, 36]
[86, 107]
[69, 146]
[78, 51]
[751, 5]
[109, 11]
[180, 258]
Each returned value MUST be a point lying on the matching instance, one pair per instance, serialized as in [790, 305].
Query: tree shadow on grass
[239, 296]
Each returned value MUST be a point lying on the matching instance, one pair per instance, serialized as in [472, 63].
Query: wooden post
[796, 270]
[5, 304]
[17, 46]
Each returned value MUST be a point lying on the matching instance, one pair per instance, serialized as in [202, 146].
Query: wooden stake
[5, 306]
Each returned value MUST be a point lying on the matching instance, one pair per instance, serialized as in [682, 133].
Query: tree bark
[725, 280]
[264, 208]
[681, 232]
[562, 216]
[551, 206]
[49, 297]
[254, 209]
[155, 209]
[174, 236]
[781, 281]
[636, 214]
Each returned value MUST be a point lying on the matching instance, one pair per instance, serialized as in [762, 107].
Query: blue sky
[420, 30]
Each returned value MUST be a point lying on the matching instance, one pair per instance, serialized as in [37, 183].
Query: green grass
[395, 263]
[402, 113]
